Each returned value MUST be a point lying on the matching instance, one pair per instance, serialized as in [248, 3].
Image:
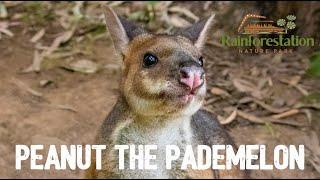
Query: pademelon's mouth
[180, 96]
[186, 98]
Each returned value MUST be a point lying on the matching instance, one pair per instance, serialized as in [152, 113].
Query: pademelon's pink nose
[191, 77]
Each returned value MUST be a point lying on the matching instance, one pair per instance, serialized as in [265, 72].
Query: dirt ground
[72, 107]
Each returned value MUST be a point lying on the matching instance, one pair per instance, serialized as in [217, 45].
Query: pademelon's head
[162, 74]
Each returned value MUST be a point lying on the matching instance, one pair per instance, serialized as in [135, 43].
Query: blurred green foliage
[147, 15]
[37, 13]
[312, 98]
[314, 69]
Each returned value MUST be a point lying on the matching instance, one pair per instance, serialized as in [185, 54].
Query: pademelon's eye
[149, 60]
[201, 61]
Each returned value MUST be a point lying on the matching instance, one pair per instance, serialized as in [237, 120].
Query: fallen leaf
[210, 101]
[209, 110]
[76, 9]
[262, 82]
[286, 114]
[3, 11]
[301, 90]
[294, 80]
[246, 86]
[44, 83]
[270, 108]
[294, 83]
[36, 64]
[270, 83]
[207, 5]
[219, 92]
[63, 107]
[59, 40]
[4, 29]
[184, 11]
[83, 66]
[7, 32]
[262, 120]
[38, 58]
[308, 113]
[243, 85]
[178, 21]
[229, 119]
[38, 36]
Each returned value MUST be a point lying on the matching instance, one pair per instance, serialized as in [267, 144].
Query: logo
[265, 26]
[258, 34]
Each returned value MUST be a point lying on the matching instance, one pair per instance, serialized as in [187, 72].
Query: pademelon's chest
[172, 132]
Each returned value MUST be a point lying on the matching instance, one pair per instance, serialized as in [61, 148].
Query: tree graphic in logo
[287, 24]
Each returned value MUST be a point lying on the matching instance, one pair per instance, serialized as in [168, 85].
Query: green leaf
[315, 56]
[136, 16]
[312, 98]
[153, 2]
[314, 69]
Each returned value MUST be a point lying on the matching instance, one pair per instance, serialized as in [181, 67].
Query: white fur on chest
[161, 133]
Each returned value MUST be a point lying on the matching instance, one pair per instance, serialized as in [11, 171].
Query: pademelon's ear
[121, 30]
[198, 33]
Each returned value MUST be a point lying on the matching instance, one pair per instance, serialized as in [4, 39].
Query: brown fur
[150, 97]
[139, 81]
